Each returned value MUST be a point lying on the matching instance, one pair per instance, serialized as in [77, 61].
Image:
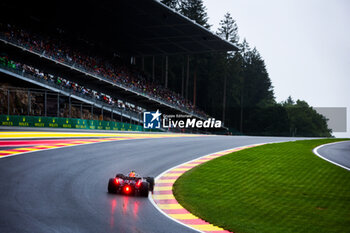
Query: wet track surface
[65, 190]
[337, 152]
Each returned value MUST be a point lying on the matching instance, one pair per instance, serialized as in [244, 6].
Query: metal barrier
[72, 123]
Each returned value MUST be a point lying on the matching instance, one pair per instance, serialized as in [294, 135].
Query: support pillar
[194, 87]
[153, 68]
[224, 101]
[241, 123]
[8, 102]
[242, 104]
[29, 103]
[45, 103]
[81, 111]
[92, 112]
[58, 104]
[183, 78]
[187, 76]
[166, 71]
[70, 106]
[162, 70]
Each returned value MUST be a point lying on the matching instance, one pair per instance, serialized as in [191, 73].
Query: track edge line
[315, 151]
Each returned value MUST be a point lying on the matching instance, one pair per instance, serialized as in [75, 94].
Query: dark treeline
[235, 86]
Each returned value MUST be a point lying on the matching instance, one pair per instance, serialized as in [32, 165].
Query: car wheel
[150, 180]
[111, 186]
[144, 189]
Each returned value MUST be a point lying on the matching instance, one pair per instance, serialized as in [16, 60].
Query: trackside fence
[71, 123]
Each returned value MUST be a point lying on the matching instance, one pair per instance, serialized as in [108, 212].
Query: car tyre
[150, 180]
[111, 186]
[121, 176]
[144, 189]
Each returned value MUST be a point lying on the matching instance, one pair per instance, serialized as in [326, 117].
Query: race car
[131, 184]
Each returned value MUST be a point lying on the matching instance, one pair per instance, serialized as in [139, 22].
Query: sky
[305, 45]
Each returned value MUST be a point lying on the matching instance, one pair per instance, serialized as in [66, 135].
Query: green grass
[272, 188]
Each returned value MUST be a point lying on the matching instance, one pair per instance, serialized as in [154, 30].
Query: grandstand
[86, 51]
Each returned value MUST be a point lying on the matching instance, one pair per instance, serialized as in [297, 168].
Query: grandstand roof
[154, 28]
[131, 27]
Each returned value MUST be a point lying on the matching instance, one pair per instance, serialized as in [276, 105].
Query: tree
[288, 102]
[228, 29]
[174, 4]
[229, 32]
[244, 47]
[237, 87]
[195, 10]
[304, 120]
[258, 89]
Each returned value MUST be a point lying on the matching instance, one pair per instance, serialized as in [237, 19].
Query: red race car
[131, 184]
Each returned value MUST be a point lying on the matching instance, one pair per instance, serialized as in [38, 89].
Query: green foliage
[172, 3]
[195, 10]
[280, 187]
[268, 120]
[257, 84]
[228, 29]
[237, 84]
[304, 120]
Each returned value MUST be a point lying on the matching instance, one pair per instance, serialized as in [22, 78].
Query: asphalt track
[338, 153]
[65, 189]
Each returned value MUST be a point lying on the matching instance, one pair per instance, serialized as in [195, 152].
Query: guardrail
[70, 123]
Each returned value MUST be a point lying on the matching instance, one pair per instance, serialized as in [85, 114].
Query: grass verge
[280, 187]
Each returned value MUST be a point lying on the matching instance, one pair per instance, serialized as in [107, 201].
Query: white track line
[315, 151]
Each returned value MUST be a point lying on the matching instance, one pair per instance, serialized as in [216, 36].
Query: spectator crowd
[123, 75]
[65, 83]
